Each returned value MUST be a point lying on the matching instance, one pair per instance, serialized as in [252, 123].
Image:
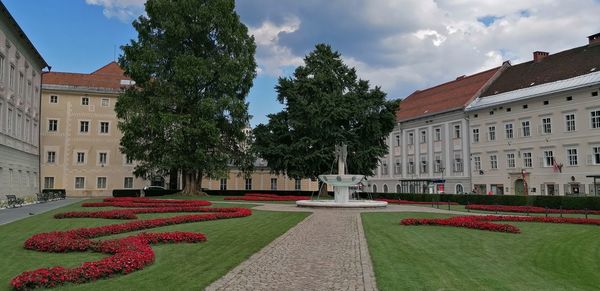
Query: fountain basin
[341, 180]
[334, 204]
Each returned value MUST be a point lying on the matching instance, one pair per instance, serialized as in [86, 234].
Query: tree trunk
[173, 179]
[191, 183]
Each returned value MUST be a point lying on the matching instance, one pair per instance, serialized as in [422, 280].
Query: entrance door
[551, 190]
[519, 187]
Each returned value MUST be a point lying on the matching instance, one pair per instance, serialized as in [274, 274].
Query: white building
[536, 129]
[20, 81]
[430, 142]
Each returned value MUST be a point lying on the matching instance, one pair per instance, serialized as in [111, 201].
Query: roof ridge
[455, 80]
[104, 67]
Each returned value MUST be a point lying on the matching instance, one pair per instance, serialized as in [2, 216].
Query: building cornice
[79, 89]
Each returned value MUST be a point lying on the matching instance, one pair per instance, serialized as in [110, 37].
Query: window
[297, 184]
[437, 164]
[526, 129]
[572, 157]
[570, 121]
[18, 126]
[85, 101]
[457, 131]
[128, 182]
[48, 182]
[595, 118]
[51, 157]
[384, 168]
[10, 121]
[527, 160]
[510, 160]
[569, 98]
[475, 135]
[21, 83]
[460, 189]
[105, 102]
[80, 157]
[492, 133]
[423, 164]
[596, 155]
[397, 140]
[11, 77]
[477, 162]
[128, 160]
[84, 126]
[411, 165]
[493, 162]
[548, 158]
[248, 184]
[273, 183]
[397, 167]
[438, 134]
[2, 68]
[102, 158]
[546, 125]
[101, 183]
[411, 138]
[546, 102]
[374, 188]
[223, 184]
[509, 130]
[53, 99]
[423, 136]
[79, 182]
[52, 125]
[385, 188]
[104, 127]
[458, 163]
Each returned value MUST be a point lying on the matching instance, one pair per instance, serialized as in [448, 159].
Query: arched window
[459, 189]
[398, 188]
[385, 188]
[374, 188]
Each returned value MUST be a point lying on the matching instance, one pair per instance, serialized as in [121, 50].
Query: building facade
[536, 130]
[20, 82]
[429, 145]
[260, 179]
[80, 139]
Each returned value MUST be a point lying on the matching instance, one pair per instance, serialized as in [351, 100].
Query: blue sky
[401, 46]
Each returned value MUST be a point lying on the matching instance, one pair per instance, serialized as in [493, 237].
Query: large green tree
[325, 104]
[193, 65]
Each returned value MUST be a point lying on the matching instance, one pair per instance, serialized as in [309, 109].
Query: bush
[126, 192]
[556, 202]
[274, 192]
[159, 192]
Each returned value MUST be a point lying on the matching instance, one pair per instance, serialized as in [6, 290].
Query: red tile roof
[107, 77]
[444, 97]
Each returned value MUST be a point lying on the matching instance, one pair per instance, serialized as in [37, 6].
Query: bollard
[586, 213]
[527, 211]
[561, 211]
[448, 205]
[546, 210]
[468, 210]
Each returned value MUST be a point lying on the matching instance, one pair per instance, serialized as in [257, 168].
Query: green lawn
[177, 266]
[542, 257]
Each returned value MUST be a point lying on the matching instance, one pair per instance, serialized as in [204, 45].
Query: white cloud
[271, 56]
[124, 10]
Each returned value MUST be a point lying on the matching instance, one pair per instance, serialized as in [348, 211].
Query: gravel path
[326, 251]
[9, 215]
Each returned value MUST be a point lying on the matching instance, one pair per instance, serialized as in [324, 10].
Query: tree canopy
[193, 66]
[325, 104]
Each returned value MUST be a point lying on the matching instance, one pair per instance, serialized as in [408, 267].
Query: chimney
[594, 39]
[538, 55]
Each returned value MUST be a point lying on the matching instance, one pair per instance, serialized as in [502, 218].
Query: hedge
[274, 192]
[159, 192]
[566, 202]
[62, 191]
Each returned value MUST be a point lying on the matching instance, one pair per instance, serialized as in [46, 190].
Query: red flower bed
[127, 254]
[267, 197]
[483, 222]
[394, 201]
[527, 209]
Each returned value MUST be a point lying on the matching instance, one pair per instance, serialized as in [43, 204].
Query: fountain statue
[341, 187]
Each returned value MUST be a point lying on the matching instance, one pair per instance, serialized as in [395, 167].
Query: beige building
[80, 139]
[536, 129]
[20, 81]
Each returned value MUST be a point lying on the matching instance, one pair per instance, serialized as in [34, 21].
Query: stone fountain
[341, 187]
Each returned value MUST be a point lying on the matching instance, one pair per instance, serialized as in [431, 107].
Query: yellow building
[79, 135]
[261, 179]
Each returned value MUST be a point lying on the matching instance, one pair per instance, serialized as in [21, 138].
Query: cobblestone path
[326, 251]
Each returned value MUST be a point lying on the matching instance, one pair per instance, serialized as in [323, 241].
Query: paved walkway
[326, 251]
[9, 215]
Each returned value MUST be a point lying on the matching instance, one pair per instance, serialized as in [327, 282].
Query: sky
[399, 45]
